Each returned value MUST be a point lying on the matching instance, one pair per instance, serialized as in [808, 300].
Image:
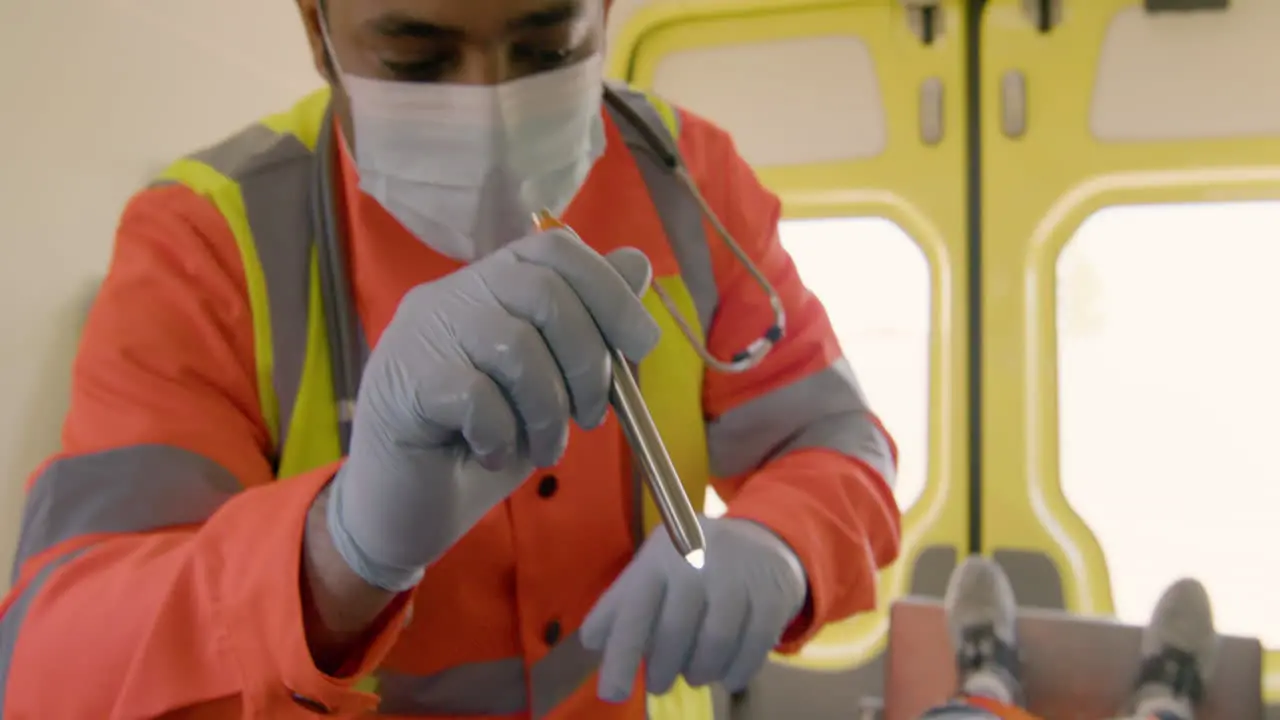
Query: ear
[310, 12]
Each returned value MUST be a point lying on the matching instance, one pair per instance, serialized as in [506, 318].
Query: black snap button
[551, 633]
[548, 486]
[310, 704]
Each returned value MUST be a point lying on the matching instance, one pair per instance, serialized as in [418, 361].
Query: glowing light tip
[696, 558]
[544, 221]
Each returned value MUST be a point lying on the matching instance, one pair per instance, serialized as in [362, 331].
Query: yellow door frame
[1026, 225]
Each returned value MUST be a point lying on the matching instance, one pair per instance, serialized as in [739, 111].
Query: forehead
[471, 17]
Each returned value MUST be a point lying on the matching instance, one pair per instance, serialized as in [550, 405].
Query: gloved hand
[717, 625]
[472, 386]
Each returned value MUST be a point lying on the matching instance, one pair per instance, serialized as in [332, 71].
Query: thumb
[633, 266]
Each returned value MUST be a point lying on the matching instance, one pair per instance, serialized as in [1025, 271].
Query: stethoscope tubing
[346, 350]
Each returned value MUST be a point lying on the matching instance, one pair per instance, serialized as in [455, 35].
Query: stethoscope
[348, 349]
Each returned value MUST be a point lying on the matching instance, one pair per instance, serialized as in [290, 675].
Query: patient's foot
[982, 616]
[1178, 650]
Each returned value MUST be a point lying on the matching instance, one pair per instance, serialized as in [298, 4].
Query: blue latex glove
[473, 385]
[717, 625]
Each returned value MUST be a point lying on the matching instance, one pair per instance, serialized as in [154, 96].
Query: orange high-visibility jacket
[158, 567]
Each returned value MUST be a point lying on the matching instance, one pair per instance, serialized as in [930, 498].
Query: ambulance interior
[1045, 231]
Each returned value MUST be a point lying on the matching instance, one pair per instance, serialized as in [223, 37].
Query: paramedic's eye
[541, 58]
[429, 69]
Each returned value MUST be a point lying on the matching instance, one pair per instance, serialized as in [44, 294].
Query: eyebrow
[557, 14]
[400, 25]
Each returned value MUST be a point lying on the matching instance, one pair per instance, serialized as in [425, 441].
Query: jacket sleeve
[793, 444]
[158, 563]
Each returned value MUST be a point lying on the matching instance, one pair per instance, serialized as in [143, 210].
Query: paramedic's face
[455, 41]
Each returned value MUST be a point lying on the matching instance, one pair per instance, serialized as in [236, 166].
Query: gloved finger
[540, 296]
[613, 304]
[629, 637]
[633, 266]
[594, 631]
[465, 400]
[684, 607]
[513, 353]
[762, 634]
[720, 636]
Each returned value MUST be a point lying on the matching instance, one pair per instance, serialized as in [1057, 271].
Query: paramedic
[206, 546]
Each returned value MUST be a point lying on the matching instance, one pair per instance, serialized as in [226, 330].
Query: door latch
[924, 17]
[1044, 14]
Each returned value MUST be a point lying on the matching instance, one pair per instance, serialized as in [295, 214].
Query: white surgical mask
[463, 167]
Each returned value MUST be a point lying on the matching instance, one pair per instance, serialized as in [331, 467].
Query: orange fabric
[1001, 710]
[166, 355]
[206, 622]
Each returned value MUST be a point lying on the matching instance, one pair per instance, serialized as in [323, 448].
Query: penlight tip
[697, 558]
[543, 221]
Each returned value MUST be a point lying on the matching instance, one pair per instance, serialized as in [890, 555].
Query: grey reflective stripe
[274, 172]
[498, 687]
[825, 410]
[11, 623]
[679, 211]
[485, 688]
[560, 674]
[133, 489]
[252, 150]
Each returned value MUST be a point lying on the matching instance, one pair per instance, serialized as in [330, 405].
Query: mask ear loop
[330, 57]
[335, 71]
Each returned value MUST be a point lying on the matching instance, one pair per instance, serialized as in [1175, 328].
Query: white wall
[95, 96]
